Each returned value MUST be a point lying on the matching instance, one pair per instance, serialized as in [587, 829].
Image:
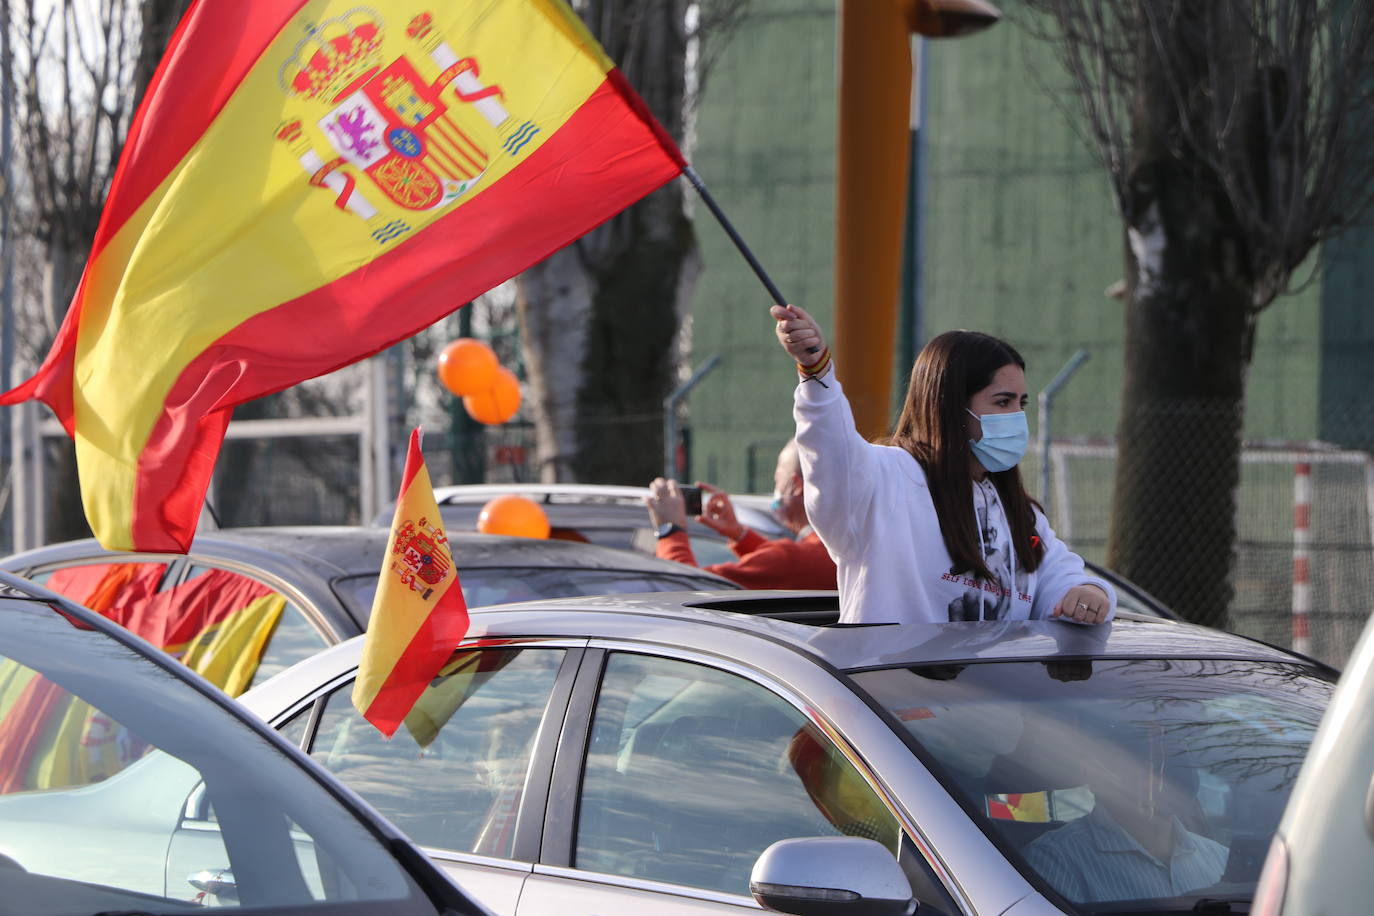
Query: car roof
[332, 551]
[583, 496]
[588, 506]
[781, 616]
[579, 493]
[582, 505]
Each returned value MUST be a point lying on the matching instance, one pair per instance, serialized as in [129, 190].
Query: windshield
[1117, 783]
[484, 586]
[125, 789]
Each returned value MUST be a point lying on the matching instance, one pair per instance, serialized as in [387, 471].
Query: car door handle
[216, 882]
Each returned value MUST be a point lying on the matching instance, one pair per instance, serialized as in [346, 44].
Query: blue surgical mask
[1005, 436]
[776, 504]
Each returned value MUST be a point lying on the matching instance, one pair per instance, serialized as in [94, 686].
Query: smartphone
[691, 496]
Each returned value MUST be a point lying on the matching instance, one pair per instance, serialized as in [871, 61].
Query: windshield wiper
[1222, 906]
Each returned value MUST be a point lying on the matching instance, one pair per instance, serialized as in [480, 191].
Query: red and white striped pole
[1302, 548]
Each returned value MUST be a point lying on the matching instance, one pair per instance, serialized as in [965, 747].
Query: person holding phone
[798, 562]
[933, 524]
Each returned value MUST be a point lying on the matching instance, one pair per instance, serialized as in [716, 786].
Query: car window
[1126, 601]
[104, 587]
[228, 627]
[692, 772]
[711, 551]
[452, 777]
[1116, 780]
[258, 631]
[1130, 598]
[130, 760]
[498, 585]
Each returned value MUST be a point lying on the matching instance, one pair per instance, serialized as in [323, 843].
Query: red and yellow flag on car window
[418, 612]
[217, 623]
[306, 183]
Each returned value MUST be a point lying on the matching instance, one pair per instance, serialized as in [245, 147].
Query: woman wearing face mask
[934, 524]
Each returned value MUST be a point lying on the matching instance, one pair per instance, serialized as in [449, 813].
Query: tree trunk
[600, 319]
[554, 301]
[159, 18]
[1188, 342]
[633, 354]
[1190, 327]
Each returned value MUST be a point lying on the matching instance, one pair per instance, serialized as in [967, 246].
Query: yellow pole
[874, 105]
[874, 102]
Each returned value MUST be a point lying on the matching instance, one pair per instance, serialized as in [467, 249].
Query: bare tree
[1237, 137]
[78, 69]
[601, 319]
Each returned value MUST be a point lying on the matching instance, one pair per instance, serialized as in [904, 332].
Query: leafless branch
[1272, 101]
[76, 74]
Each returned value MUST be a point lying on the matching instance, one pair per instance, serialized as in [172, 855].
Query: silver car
[647, 754]
[613, 516]
[325, 577]
[1319, 861]
[130, 785]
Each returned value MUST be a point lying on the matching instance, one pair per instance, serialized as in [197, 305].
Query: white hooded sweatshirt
[871, 506]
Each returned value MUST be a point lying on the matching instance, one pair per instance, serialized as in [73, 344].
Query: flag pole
[729, 228]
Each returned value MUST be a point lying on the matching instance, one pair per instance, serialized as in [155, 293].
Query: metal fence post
[1044, 405]
[378, 436]
[670, 404]
[28, 491]
[1302, 556]
[7, 447]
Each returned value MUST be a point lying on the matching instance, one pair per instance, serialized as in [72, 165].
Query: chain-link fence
[1304, 521]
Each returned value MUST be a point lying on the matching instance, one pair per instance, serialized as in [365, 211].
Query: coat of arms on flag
[420, 555]
[421, 139]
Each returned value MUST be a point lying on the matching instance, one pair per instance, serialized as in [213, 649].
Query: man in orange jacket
[782, 563]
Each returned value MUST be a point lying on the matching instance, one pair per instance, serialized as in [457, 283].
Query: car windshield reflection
[1116, 780]
[112, 770]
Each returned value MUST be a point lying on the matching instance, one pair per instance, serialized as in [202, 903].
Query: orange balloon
[513, 515]
[467, 366]
[499, 402]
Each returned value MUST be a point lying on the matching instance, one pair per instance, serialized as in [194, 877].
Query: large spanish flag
[418, 612]
[306, 183]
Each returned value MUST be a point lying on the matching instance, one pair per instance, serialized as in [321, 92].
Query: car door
[691, 768]
[467, 775]
[196, 854]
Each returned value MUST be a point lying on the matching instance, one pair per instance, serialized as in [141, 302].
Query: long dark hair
[950, 369]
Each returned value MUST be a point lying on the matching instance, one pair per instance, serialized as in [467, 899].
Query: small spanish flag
[418, 614]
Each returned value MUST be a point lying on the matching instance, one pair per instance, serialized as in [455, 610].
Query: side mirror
[217, 883]
[831, 876]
